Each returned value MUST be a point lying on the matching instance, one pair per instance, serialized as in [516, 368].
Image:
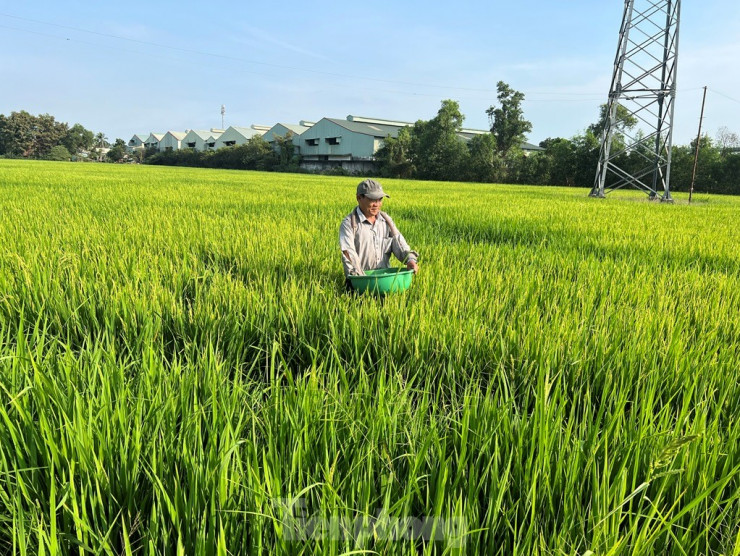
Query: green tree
[394, 157]
[727, 141]
[287, 159]
[585, 147]
[16, 133]
[100, 143]
[118, 151]
[257, 154]
[709, 170]
[624, 122]
[585, 158]
[47, 134]
[22, 134]
[149, 152]
[530, 169]
[184, 157]
[727, 167]
[439, 153]
[507, 120]
[58, 152]
[562, 155]
[78, 139]
[728, 176]
[486, 164]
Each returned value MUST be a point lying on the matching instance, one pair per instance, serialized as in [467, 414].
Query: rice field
[181, 371]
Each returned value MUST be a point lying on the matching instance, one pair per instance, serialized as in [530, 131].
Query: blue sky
[135, 67]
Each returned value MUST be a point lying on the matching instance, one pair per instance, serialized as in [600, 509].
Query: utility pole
[698, 140]
[644, 85]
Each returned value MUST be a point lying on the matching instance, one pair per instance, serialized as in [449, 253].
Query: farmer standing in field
[368, 236]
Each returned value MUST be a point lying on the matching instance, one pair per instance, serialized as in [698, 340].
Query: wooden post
[698, 140]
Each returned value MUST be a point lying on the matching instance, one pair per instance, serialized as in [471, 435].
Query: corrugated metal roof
[375, 130]
[530, 147]
[381, 121]
[202, 133]
[295, 128]
[468, 134]
[470, 131]
[179, 135]
[245, 131]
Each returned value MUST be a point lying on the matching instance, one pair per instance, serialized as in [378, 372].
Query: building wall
[275, 131]
[327, 139]
[135, 143]
[152, 142]
[359, 167]
[169, 143]
[193, 138]
[232, 135]
[281, 131]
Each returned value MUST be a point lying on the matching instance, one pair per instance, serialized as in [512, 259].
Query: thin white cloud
[136, 32]
[714, 60]
[263, 36]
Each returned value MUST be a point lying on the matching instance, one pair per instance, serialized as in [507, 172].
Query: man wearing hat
[368, 236]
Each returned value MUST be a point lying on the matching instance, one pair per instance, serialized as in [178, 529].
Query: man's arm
[350, 259]
[403, 252]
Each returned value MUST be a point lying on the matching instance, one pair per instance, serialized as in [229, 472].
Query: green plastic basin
[383, 280]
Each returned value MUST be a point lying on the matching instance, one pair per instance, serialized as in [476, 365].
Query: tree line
[42, 137]
[430, 149]
[433, 150]
[255, 154]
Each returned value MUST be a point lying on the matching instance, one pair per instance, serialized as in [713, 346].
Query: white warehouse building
[199, 139]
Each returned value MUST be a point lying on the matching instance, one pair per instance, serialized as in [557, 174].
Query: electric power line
[588, 96]
[723, 95]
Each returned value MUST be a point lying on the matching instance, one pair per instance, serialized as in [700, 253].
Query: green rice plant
[182, 372]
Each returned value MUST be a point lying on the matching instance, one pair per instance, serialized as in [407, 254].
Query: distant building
[235, 136]
[281, 130]
[353, 142]
[198, 139]
[210, 142]
[152, 142]
[530, 148]
[468, 134]
[136, 142]
[171, 141]
[350, 143]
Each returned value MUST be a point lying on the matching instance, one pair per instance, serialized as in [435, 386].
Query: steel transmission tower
[644, 85]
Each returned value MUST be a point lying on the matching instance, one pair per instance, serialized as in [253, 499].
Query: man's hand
[412, 265]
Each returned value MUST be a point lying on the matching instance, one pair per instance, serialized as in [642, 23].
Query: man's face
[369, 207]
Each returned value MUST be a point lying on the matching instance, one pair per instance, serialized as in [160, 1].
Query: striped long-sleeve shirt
[370, 245]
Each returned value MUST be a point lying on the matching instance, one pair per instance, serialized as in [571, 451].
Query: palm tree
[101, 141]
